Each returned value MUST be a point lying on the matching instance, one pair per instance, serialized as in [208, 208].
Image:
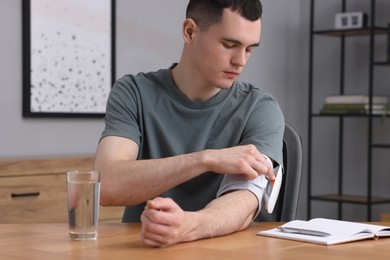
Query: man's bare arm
[164, 223]
[127, 181]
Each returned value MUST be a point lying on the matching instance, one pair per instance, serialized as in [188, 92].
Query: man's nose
[240, 58]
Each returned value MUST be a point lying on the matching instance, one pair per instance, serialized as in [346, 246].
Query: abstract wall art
[68, 57]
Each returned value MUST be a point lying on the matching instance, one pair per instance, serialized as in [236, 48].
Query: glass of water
[83, 204]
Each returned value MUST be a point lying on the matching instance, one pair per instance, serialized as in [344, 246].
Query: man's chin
[225, 85]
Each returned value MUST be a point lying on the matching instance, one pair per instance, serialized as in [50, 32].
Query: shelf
[383, 146]
[347, 115]
[382, 63]
[353, 32]
[350, 199]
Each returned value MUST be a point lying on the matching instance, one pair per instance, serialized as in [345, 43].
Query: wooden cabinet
[35, 190]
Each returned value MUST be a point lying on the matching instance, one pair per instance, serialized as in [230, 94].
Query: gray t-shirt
[150, 110]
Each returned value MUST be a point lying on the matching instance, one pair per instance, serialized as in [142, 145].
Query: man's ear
[190, 29]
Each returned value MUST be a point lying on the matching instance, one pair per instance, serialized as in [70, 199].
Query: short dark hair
[208, 12]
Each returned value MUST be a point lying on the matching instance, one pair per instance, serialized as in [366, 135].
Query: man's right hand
[245, 159]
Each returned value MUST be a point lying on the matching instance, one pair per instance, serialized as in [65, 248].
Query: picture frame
[68, 57]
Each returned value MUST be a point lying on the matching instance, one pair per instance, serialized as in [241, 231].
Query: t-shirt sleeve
[265, 129]
[122, 112]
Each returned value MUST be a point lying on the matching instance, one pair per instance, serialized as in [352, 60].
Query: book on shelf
[356, 99]
[325, 111]
[355, 109]
[355, 105]
[326, 231]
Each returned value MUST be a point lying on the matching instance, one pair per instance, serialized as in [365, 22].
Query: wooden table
[121, 241]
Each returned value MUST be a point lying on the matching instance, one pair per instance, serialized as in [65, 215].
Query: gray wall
[149, 39]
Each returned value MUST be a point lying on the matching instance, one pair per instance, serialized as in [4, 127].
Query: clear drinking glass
[83, 204]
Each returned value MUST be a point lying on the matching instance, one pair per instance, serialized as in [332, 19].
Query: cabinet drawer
[35, 199]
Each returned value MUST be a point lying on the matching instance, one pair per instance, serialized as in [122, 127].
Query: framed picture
[68, 57]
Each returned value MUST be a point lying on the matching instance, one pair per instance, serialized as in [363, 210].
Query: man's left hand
[164, 223]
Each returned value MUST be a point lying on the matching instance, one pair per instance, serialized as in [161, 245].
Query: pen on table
[303, 231]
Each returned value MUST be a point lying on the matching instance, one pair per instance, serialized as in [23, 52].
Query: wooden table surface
[121, 241]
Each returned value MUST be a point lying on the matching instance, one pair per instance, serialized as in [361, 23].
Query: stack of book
[355, 104]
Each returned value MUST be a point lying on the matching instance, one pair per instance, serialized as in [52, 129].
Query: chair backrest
[287, 204]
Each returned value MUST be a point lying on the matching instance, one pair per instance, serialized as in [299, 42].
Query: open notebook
[326, 231]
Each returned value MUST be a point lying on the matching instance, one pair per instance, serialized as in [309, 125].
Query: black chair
[286, 207]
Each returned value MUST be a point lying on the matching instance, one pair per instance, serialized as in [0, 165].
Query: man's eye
[228, 45]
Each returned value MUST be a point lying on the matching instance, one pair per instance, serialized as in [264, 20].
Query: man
[188, 149]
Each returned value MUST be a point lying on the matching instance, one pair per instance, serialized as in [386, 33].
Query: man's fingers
[164, 204]
[271, 175]
[268, 168]
[150, 204]
[160, 210]
[259, 167]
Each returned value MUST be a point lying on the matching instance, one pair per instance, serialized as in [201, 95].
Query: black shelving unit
[371, 31]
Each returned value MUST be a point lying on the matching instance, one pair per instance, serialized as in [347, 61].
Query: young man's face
[221, 53]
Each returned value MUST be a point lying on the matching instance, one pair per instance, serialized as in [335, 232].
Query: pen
[303, 231]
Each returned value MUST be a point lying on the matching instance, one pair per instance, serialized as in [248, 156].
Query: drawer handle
[31, 194]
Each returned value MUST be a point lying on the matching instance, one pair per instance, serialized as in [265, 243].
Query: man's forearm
[125, 182]
[227, 214]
